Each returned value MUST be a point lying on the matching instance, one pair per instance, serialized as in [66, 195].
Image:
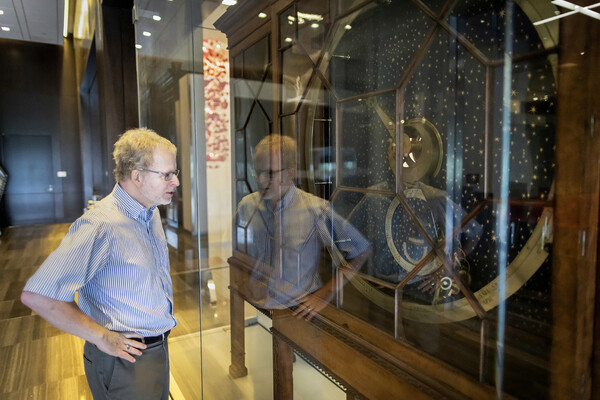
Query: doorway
[29, 196]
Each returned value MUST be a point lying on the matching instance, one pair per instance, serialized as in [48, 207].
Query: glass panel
[361, 66]
[436, 6]
[318, 163]
[368, 127]
[343, 6]
[265, 97]
[258, 127]
[171, 100]
[243, 189]
[256, 60]
[314, 23]
[240, 149]
[298, 72]
[482, 24]
[287, 27]
[242, 100]
[416, 164]
[288, 125]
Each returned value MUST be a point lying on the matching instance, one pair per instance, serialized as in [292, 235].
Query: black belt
[153, 339]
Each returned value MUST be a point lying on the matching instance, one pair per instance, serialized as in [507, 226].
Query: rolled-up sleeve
[81, 253]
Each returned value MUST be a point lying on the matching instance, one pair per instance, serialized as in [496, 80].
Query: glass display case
[432, 129]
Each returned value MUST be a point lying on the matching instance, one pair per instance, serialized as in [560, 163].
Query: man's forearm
[65, 316]
[68, 317]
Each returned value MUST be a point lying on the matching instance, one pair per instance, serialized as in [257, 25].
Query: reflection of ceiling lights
[6, 29]
[65, 19]
[83, 14]
[575, 9]
[310, 17]
[229, 2]
[1, 12]
[146, 33]
[156, 17]
[138, 46]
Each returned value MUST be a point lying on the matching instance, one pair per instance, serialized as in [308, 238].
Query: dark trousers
[114, 378]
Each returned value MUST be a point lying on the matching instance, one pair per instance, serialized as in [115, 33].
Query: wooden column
[117, 88]
[283, 365]
[575, 263]
[237, 368]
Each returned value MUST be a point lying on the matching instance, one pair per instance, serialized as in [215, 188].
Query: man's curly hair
[134, 150]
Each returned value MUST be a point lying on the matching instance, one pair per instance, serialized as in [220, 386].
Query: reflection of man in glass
[287, 229]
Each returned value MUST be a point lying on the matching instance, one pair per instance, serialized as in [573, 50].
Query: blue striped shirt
[116, 257]
[286, 239]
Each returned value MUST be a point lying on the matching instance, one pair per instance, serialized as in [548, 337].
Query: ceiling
[42, 20]
[32, 20]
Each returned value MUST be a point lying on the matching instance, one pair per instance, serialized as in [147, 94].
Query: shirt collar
[130, 206]
[285, 201]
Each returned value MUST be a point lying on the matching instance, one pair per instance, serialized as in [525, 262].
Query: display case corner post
[237, 369]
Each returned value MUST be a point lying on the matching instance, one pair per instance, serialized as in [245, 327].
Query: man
[115, 257]
[286, 230]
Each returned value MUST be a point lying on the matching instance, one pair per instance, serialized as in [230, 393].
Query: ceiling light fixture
[146, 33]
[138, 46]
[310, 17]
[262, 15]
[1, 12]
[156, 17]
[229, 2]
[6, 29]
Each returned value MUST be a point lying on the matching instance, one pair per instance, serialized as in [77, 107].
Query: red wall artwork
[216, 95]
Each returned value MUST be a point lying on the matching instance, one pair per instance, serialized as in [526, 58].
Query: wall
[38, 100]
[56, 103]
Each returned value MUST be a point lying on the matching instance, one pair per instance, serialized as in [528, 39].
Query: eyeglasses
[167, 176]
[269, 172]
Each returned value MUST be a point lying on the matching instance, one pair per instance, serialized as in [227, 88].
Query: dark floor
[40, 361]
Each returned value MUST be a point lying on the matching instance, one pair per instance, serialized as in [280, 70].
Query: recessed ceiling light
[262, 15]
[229, 2]
[314, 25]
[5, 28]
[1, 12]
[156, 17]
[288, 40]
[138, 46]
[146, 33]
[348, 27]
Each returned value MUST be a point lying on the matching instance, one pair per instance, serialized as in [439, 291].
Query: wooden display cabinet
[516, 316]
